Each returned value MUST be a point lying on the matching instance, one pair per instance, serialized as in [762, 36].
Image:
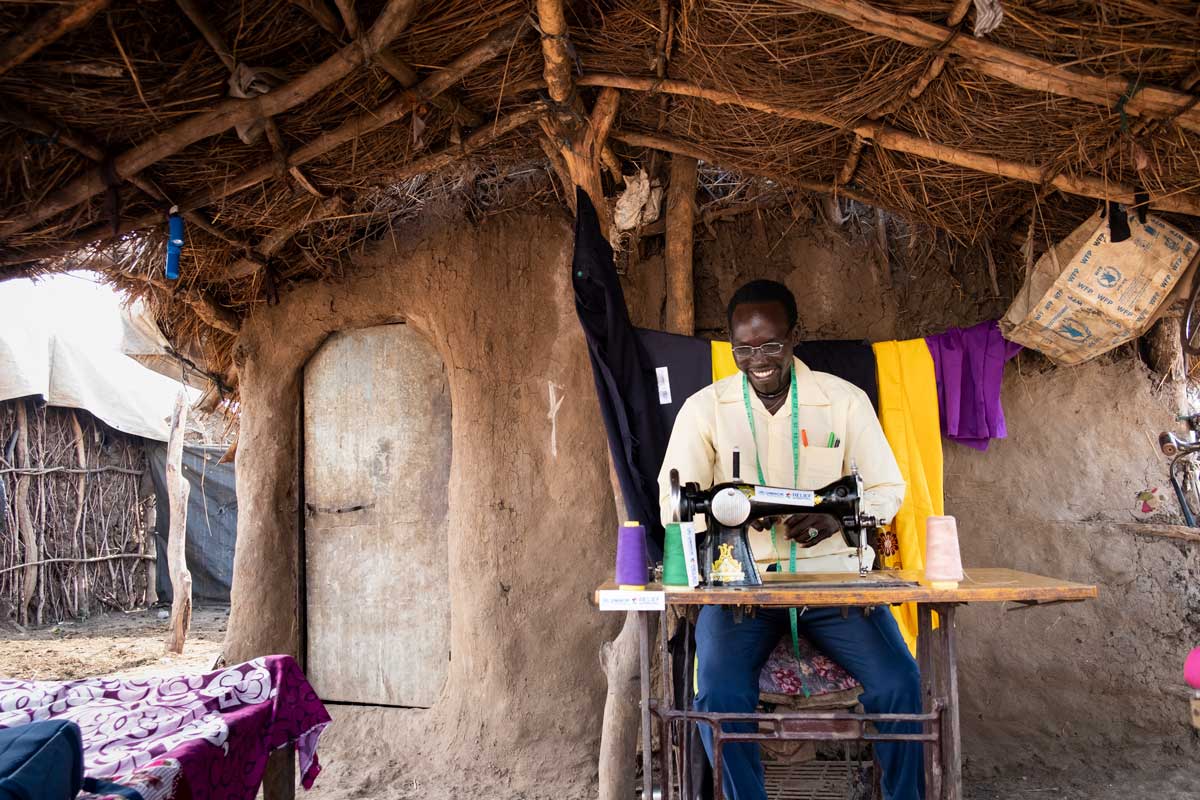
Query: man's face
[756, 324]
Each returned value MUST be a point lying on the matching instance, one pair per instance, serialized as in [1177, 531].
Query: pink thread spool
[1191, 674]
[943, 562]
[1191, 669]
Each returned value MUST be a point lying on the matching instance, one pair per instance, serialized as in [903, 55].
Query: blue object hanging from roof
[174, 245]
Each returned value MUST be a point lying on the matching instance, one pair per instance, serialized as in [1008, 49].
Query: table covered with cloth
[182, 737]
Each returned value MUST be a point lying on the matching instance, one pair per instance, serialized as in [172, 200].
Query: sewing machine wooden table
[936, 655]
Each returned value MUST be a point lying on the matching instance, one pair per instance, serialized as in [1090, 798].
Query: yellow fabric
[908, 411]
[723, 364]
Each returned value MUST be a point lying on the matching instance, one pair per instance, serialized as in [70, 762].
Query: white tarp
[61, 337]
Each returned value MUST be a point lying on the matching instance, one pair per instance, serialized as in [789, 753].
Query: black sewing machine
[729, 508]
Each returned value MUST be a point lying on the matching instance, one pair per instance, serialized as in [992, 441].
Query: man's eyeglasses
[768, 349]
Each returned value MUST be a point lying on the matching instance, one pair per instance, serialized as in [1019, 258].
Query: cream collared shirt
[713, 421]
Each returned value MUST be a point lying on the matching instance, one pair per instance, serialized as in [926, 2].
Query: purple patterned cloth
[969, 363]
[812, 675]
[214, 731]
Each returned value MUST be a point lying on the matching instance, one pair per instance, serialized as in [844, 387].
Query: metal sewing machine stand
[937, 655]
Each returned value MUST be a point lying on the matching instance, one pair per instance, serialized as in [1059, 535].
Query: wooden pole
[54, 24]
[22, 513]
[149, 547]
[392, 65]
[86, 146]
[321, 13]
[178, 490]
[81, 489]
[211, 35]
[272, 242]
[488, 133]
[681, 220]
[222, 117]
[957, 15]
[392, 111]
[279, 780]
[891, 138]
[669, 145]
[581, 148]
[934, 69]
[881, 239]
[1012, 66]
[619, 727]
[558, 63]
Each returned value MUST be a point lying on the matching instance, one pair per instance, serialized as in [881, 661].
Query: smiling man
[802, 429]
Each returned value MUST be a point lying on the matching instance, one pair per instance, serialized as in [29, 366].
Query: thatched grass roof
[111, 112]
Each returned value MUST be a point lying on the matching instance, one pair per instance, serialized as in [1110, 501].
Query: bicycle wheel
[1185, 477]
[1191, 488]
[1190, 323]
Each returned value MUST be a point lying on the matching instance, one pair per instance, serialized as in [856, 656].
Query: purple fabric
[216, 729]
[814, 674]
[969, 363]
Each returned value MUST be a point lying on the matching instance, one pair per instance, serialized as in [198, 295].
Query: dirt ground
[129, 644]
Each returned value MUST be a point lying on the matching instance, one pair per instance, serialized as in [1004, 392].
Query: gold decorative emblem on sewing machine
[727, 568]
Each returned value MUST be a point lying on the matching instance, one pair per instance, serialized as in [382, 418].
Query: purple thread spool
[631, 556]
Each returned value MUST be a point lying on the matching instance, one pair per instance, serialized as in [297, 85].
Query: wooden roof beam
[1012, 66]
[890, 138]
[430, 163]
[209, 311]
[671, 145]
[319, 11]
[557, 72]
[224, 116]
[486, 134]
[87, 147]
[555, 50]
[281, 235]
[349, 16]
[391, 111]
[52, 26]
[393, 65]
[957, 14]
[217, 43]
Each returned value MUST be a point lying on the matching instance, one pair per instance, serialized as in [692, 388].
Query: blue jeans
[868, 646]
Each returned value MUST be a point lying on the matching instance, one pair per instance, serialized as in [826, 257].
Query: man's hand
[807, 530]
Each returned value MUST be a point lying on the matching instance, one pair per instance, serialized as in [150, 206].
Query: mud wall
[520, 711]
[1093, 684]
[1098, 683]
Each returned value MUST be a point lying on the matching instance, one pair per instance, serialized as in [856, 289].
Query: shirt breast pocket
[821, 466]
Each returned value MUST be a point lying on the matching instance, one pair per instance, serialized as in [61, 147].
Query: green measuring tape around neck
[793, 616]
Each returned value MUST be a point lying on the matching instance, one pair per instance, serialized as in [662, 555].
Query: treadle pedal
[817, 780]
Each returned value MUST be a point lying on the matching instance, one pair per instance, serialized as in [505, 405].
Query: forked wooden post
[177, 496]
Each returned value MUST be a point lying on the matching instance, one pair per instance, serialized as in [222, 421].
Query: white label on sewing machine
[664, 386]
[687, 532]
[624, 600]
[787, 497]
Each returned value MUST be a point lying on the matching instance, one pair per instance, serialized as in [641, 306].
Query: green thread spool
[674, 564]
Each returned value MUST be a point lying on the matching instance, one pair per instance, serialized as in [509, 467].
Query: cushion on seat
[785, 678]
